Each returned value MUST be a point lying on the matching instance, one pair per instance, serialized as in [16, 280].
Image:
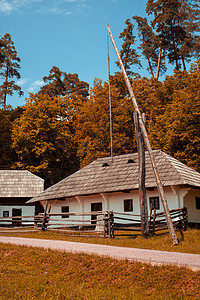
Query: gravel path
[153, 257]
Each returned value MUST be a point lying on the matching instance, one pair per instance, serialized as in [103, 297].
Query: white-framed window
[197, 202]
[154, 202]
[65, 209]
[128, 205]
[6, 213]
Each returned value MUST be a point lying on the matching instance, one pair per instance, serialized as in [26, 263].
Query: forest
[66, 124]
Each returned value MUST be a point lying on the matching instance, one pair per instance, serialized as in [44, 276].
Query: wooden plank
[79, 214]
[125, 214]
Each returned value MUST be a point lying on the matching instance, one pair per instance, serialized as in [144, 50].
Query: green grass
[189, 241]
[33, 273]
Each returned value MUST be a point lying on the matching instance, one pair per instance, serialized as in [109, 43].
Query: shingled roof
[19, 183]
[120, 174]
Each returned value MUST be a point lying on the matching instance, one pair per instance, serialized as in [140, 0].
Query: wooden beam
[141, 178]
[148, 145]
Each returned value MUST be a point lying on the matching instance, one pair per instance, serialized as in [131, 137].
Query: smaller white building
[112, 184]
[16, 188]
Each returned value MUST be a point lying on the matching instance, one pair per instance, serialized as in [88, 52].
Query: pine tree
[1, 53]
[177, 25]
[149, 44]
[128, 54]
[9, 69]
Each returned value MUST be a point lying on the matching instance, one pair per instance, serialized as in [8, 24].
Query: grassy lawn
[189, 241]
[32, 273]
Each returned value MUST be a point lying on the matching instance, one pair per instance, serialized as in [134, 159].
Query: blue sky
[70, 34]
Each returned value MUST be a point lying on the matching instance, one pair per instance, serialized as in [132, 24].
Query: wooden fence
[102, 223]
[126, 224]
[81, 224]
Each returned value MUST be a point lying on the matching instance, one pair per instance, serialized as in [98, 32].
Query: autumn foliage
[43, 137]
[55, 136]
[65, 125]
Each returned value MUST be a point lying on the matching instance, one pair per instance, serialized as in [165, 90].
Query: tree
[151, 97]
[177, 25]
[128, 54]
[1, 53]
[9, 69]
[59, 83]
[149, 45]
[93, 123]
[8, 155]
[43, 137]
[172, 34]
[176, 131]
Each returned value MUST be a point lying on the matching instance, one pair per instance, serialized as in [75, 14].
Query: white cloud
[67, 13]
[22, 81]
[55, 11]
[6, 7]
[13, 5]
[51, 6]
[35, 85]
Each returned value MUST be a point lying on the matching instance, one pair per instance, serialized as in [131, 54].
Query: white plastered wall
[190, 203]
[26, 210]
[115, 201]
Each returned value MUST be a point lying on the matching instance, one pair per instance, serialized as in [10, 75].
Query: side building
[16, 188]
[112, 184]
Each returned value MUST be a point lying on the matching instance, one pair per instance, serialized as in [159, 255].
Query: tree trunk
[183, 62]
[150, 67]
[4, 102]
[5, 94]
[159, 61]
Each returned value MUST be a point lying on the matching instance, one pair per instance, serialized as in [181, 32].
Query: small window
[197, 202]
[105, 165]
[131, 161]
[154, 202]
[128, 205]
[65, 209]
[5, 213]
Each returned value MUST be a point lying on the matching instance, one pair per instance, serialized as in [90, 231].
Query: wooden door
[17, 212]
[95, 207]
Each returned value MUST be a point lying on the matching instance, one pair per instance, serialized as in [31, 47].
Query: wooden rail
[106, 224]
[157, 222]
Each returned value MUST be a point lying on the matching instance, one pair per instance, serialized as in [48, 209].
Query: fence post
[109, 225]
[105, 230]
[185, 219]
[154, 221]
[112, 225]
[44, 217]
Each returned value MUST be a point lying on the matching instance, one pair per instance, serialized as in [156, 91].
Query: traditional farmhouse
[112, 184]
[16, 188]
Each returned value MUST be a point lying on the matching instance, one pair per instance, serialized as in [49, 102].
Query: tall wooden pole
[141, 177]
[110, 103]
[147, 142]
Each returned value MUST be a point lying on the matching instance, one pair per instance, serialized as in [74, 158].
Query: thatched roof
[19, 183]
[104, 175]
